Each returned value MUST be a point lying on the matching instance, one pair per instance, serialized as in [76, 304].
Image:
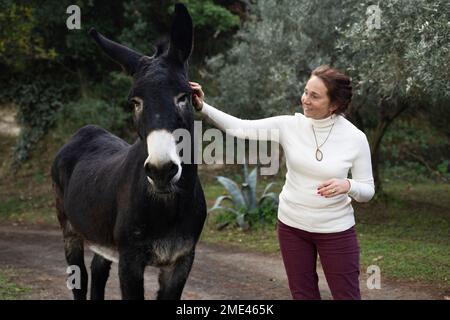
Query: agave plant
[243, 200]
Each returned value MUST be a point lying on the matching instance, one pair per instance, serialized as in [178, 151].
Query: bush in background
[75, 115]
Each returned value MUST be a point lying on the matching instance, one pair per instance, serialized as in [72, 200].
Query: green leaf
[248, 196]
[235, 212]
[233, 189]
[240, 220]
[219, 200]
[252, 180]
[271, 195]
[266, 189]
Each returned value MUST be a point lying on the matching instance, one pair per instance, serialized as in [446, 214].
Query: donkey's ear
[181, 36]
[126, 57]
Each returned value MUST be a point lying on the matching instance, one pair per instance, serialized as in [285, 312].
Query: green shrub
[75, 115]
[265, 214]
[38, 103]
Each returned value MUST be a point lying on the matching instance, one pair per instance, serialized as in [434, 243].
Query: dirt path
[36, 254]
[8, 124]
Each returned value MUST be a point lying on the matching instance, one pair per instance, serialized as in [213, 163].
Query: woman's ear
[333, 108]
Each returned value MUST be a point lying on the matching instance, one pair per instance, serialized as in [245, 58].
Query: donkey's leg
[131, 275]
[99, 275]
[172, 279]
[74, 251]
[73, 245]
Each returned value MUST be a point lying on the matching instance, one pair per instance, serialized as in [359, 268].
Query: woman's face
[315, 100]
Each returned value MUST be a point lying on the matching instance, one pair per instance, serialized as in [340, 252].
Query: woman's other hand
[333, 187]
[197, 95]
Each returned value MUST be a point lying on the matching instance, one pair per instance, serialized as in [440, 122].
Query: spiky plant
[243, 200]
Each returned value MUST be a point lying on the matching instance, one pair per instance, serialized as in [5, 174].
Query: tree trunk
[375, 151]
[386, 119]
[354, 116]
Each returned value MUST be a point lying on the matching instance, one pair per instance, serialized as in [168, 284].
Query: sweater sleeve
[261, 129]
[362, 187]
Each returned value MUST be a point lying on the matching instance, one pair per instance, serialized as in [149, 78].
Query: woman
[315, 215]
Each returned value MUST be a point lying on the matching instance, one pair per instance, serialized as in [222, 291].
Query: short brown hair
[339, 86]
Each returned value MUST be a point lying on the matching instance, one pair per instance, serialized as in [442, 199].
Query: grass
[9, 290]
[408, 236]
[27, 197]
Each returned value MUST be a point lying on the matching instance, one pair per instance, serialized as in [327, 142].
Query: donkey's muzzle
[164, 176]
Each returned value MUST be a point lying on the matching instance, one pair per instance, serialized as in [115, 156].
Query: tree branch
[422, 161]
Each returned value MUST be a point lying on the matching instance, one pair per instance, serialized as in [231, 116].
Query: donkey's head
[161, 97]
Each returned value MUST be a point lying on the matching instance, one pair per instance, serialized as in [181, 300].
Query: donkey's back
[90, 144]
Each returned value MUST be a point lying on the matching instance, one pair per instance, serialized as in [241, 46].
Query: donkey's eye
[138, 104]
[182, 100]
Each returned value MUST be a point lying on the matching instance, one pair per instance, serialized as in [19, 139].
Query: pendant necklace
[319, 154]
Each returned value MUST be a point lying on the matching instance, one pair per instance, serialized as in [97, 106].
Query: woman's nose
[305, 99]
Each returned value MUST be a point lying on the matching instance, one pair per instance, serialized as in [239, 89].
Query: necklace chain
[319, 154]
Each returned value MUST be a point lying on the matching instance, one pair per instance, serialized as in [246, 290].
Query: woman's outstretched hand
[197, 95]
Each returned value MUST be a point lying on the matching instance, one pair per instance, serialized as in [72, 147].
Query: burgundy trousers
[339, 256]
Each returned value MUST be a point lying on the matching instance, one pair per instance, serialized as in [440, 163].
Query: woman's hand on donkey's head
[197, 95]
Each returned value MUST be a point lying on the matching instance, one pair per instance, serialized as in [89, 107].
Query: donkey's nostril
[173, 170]
[161, 175]
[149, 170]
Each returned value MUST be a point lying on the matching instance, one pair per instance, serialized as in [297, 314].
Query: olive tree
[396, 53]
[398, 65]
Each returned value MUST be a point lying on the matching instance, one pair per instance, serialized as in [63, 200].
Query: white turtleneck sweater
[345, 150]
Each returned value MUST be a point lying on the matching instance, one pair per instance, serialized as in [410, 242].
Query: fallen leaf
[378, 258]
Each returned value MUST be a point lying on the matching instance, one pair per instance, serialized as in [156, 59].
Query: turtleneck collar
[323, 123]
